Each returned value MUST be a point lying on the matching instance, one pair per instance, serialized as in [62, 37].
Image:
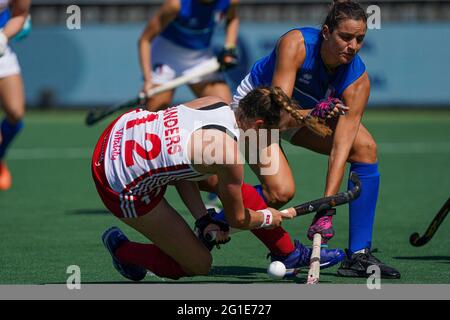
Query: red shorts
[123, 204]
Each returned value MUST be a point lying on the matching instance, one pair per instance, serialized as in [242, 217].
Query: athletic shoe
[113, 238]
[300, 258]
[5, 177]
[358, 263]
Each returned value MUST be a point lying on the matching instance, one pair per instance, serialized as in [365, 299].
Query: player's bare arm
[356, 97]
[229, 187]
[190, 194]
[166, 14]
[291, 54]
[230, 177]
[232, 28]
[19, 12]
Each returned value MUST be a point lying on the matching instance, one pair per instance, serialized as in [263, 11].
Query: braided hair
[268, 102]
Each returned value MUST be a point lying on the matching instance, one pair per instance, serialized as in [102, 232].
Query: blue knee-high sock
[221, 215]
[8, 132]
[362, 210]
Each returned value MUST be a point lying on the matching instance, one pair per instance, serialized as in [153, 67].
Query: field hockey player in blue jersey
[320, 68]
[178, 39]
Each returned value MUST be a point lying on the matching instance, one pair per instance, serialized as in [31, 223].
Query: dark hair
[342, 10]
[268, 102]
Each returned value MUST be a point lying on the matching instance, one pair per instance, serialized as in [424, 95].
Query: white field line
[85, 153]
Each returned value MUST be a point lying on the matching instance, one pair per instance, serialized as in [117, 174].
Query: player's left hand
[323, 224]
[3, 43]
[228, 58]
[207, 225]
[222, 236]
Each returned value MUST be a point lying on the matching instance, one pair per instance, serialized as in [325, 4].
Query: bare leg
[13, 101]
[363, 159]
[279, 187]
[168, 230]
[13, 98]
[160, 101]
[364, 148]
[218, 89]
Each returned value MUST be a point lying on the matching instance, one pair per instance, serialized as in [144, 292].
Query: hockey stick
[417, 241]
[316, 205]
[210, 66]
[328, 202]
[314, 262]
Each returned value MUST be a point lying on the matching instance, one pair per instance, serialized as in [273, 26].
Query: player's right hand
[3, 43]
[228, 58]
[148, 85]
[278, 217]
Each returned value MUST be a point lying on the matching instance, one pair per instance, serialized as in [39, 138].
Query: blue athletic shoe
[112, 239]
[300, 257]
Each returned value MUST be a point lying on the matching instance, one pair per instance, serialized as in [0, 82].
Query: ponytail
[267, 103]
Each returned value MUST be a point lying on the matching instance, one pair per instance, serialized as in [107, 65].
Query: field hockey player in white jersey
[142, 152]
[13, 15]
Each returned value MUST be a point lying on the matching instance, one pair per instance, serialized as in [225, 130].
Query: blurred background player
[310, 65]
[13, 16]
[178, 38]
[131, 181]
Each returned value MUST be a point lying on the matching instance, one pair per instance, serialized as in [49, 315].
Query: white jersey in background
[147, 150]
[9, 65]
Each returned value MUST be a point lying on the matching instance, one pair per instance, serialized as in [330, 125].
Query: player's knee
[202, 266]
[364, 151]
[280, 195]
[15, 115]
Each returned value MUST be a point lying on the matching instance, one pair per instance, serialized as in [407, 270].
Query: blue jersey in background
[194, 26]
[5, 15]
[313, 82]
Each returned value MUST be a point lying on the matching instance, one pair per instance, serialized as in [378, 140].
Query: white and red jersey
[146, 150]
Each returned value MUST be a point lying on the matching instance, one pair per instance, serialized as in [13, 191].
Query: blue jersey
[5, 15]
[312, 82]
[194, 26]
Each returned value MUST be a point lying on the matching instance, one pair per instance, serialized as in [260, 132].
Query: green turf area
[53, 218]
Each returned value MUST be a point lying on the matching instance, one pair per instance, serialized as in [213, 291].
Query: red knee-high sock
[151, 257]
[277, 240]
